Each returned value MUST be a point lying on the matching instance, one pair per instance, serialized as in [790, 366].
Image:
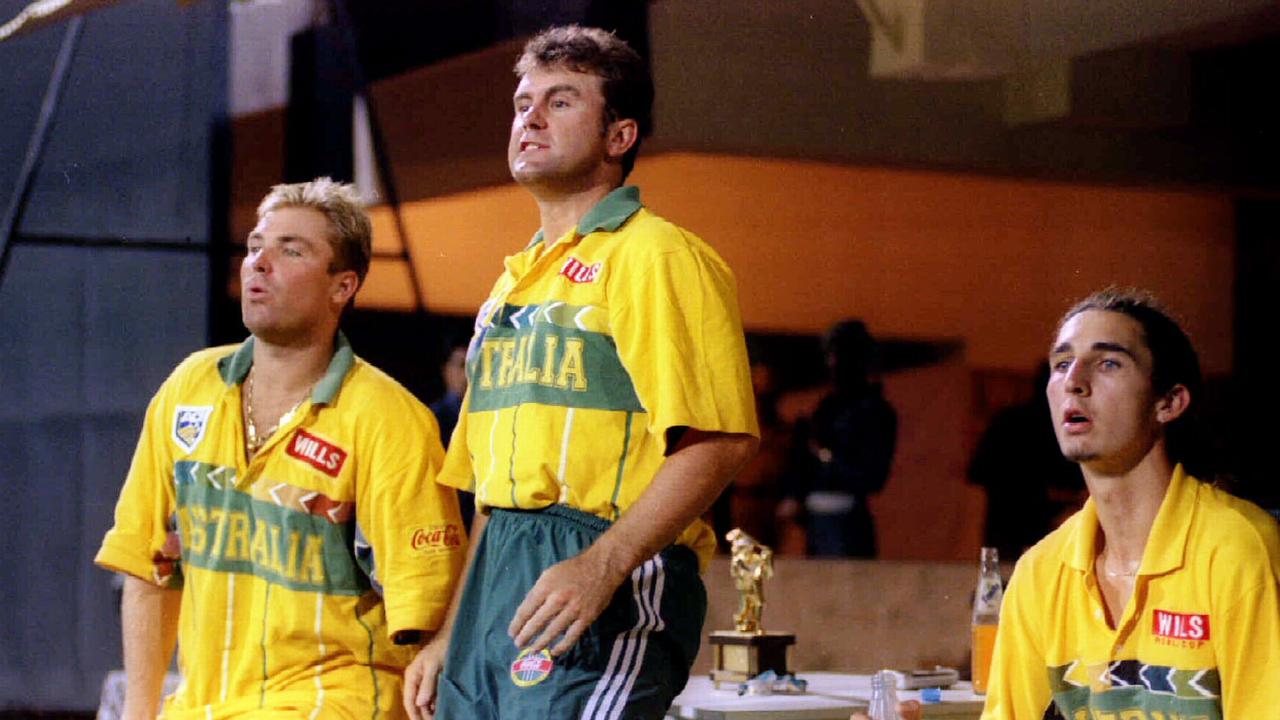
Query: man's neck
[1127, 504]
[561, 211]
[289, 369]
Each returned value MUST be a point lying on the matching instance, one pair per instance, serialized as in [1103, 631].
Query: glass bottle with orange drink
[986, 616]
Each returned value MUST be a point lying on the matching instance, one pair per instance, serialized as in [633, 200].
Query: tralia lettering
[560, 365]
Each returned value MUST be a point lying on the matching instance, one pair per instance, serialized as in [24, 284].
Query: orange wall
[927, 510]
[917, 254]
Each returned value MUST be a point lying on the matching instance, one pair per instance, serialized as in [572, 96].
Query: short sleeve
[457, 471]
[674, 316]
[144, 515]
[410, 521]
[1247, 646]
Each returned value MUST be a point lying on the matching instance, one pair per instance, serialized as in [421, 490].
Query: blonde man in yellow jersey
[281, 517]
[1157, 600]
[609, 403]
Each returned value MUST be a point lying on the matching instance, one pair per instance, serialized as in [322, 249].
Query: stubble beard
[1078, 454]
[1081, 456]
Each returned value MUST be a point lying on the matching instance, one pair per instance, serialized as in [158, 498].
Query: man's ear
[621, 136]
[345, 285]
[1173, 404]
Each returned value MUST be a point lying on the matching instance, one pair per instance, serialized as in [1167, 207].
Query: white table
[830, 696]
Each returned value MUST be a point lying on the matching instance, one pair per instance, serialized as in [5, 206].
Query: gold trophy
[747, 650]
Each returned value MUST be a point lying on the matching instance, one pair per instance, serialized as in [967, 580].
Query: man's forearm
[149, 624]
[571, 594]
[686, 485]
[421, 676]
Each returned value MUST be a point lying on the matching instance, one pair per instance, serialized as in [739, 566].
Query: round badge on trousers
[531, 669]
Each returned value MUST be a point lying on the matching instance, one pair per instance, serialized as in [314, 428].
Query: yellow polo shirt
[298, 567]
[588, 350]
[1199, 639]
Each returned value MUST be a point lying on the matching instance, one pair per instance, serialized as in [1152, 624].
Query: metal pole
[39, 138]
[380, 154]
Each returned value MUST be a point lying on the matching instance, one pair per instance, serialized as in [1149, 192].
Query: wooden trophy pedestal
[740, 656]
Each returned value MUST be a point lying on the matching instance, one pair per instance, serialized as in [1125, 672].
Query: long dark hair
[1174, 362]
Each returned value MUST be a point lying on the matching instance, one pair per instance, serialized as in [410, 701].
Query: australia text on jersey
[296, 537]
[561, 364]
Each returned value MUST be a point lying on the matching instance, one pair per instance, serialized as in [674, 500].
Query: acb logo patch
[531, 669]
[189, 424]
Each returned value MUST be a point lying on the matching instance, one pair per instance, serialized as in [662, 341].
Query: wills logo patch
[577, 272]
[189, 424]
[528, 670]
[1180, 626]
[434, 538]
[319, 454]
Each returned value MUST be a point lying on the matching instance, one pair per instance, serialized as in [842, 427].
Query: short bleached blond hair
[352, 239]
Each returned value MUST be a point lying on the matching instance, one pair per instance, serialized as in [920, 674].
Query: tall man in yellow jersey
[281, 517]
[1158, 599]
[608, 404]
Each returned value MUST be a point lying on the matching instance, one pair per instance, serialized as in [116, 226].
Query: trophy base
[740, 656]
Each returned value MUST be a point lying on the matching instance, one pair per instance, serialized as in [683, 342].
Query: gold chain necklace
[255, 441]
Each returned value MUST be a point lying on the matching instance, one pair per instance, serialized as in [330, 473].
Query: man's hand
[907, 710]
[567, 598]
[420, 680]
[570, 595]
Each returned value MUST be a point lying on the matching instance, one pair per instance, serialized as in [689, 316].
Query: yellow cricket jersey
[298, 567]
[1199, 639]
[588, 350]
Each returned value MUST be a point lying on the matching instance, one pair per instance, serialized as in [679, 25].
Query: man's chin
[1080, 456]
[255, 325]
[267, 332]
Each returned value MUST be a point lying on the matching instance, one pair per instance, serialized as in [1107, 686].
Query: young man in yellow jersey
[281, 518]
[1159, 598]
[609, 403]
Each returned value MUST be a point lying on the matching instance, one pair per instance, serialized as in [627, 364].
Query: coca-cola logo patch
[435, 538]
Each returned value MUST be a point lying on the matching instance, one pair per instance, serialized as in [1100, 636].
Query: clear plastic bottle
[986, 616]
[884, 697]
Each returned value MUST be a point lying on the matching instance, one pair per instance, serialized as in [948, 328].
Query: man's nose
[533, 117]
[259, 261]
[1077, 380]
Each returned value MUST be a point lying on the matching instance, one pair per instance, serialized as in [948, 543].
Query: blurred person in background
[453, 373]
[844, 451]
[1031, 488]
[751, 501]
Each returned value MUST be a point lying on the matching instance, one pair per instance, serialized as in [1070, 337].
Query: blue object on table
[769, 682]
[931, 695]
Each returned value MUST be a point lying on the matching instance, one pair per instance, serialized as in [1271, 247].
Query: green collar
[234, 368]
[609, 214]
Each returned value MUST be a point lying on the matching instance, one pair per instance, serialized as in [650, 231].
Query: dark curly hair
[628, 86]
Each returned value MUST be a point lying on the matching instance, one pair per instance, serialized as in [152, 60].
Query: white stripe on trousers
[614, 687]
